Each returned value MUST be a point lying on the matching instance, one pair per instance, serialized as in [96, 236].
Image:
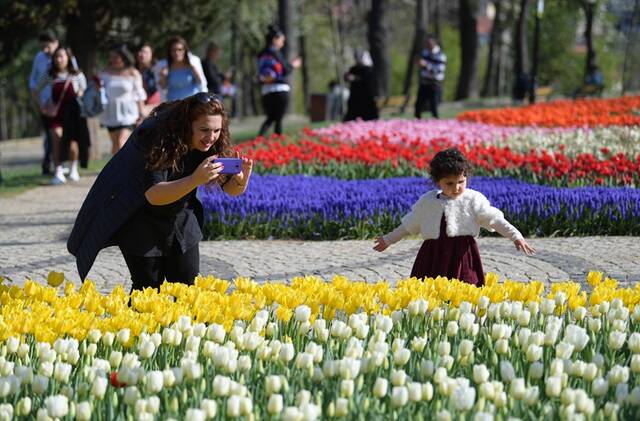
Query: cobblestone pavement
[34, 227]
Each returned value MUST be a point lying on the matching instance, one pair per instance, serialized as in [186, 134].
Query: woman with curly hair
[144, 200]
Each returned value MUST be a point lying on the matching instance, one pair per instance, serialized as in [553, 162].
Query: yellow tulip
[55, 278]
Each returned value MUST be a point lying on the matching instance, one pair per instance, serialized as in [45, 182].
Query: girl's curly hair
[169, 140]
[449, 162]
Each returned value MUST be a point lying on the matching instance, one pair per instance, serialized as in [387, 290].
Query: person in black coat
[210, 67]
[144, 200]
[362, 91]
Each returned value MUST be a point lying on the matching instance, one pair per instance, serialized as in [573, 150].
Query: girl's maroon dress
[451, 257]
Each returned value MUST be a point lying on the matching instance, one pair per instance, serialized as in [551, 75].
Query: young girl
[448, 219]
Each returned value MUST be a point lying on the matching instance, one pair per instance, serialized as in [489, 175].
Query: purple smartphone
[231, 165]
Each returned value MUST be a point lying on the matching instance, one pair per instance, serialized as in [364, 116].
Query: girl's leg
[74, 153]
[268, 106]
[145, 271]
[115, 145]
[183, 268]
[123, 135]
[280, 107]
[56, 138]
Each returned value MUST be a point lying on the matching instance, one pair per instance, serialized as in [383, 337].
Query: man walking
[432, 64]
[41, 63]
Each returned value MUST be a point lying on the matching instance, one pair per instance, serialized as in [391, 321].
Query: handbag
[50, 109]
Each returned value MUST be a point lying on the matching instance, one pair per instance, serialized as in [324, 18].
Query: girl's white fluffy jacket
[464, 216]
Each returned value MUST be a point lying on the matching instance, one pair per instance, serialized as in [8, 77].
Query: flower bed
[380, 159]
[323, 208]
[422, 131]
[601, 142]
[321, 349]
[623, 111]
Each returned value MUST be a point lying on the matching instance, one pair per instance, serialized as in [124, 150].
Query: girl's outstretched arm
[383, 242]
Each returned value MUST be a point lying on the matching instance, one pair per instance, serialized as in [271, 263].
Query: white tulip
[507, 372]
[634, 396]
[547, 306]
[40, 384]
[57, 406]
[244, 363]
[553, 386]
[246, 406]
[427, 391]
[147, 348]
[23, 408]
[444, 348]
[427, 368]
[99, 387]
[556, 368]
[347, 388]
[155, 381]
[611, 409]
[635, 363]
[617, 340]
[622, 392]
[599, 387]
[443, 415]
[287, 352]
[216, 333]
[418, 344]
[401, 356]
[466, 321]
[534, 353]
[452, 328]
[192, 344]
[192, 371]
[195, 414]
[131, 395]
[466, 347]
[618, 374]
[380, 387]
[463, 398]
[399, 396]
[302, 313]
[502, 346]
[61, 372]
[310, 412]
[275, 404]
[517, 388]
[480, 373]
[594, 325]
[531, 395]
[233, 406]
[83, 411]
[415, 391]
[273, 384]
[486, 390]
[123, 335]
[590, 372]
[221, 385]
[564, 350]
[398, 377]
[46, 369]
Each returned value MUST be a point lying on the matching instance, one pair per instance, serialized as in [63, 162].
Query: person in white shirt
[125, 97]
[41, 63]
[449, 219]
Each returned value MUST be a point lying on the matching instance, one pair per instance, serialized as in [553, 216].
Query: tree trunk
[286, 21]
[589, 12]
[488, 86]
[521, 62]
[377, 36]
[436, 20]
[627, 84]
[467, 86]
[419, 38]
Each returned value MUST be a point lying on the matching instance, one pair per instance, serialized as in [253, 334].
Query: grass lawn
[18, 180]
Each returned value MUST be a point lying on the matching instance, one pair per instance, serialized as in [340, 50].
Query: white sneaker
[58, 179]
[74, 176]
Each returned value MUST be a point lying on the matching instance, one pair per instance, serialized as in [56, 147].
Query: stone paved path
[34, 227]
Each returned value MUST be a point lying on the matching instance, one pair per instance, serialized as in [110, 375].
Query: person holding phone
[144, 200]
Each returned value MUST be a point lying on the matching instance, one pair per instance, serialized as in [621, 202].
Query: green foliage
[451, 47]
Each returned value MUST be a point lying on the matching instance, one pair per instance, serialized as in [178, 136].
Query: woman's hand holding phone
[207, 171]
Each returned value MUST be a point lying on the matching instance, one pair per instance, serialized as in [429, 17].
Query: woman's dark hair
[153, 56]
[449, 162]
[273, 31]
[72, 68]
[124, 53]
[177, 40]
[212, 47]
[170, 139]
